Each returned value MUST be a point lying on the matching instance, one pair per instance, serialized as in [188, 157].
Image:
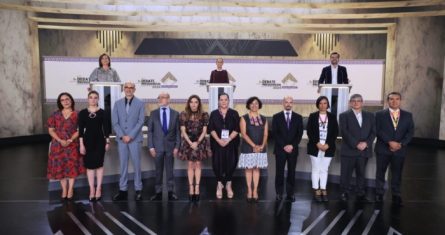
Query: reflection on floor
[28, 208]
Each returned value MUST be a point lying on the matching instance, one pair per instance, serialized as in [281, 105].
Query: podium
[338, 96]
[215, 89]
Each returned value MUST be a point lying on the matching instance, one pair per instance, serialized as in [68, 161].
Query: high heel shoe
[196, 192]
[92, 199]
[317, 195]
[191, 193]
[249, 197]
[98, 194]
[219, 189]
[229, 189]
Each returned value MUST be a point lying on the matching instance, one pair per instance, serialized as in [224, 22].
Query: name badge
[323, 135]
[224, 134]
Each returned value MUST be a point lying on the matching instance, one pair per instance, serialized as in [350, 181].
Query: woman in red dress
[64, 161]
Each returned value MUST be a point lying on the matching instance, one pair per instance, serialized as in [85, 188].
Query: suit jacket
[326, 75]
[385, 131]
[352, 133]
[313, 133]
[128, 124]
[284, 136]
[156, 137]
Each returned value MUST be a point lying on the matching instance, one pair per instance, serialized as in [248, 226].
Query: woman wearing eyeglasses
[322, 131]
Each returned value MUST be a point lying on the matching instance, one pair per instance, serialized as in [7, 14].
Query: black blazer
[284, 136]
[352, 133]
[313, 133]
[326, 75]
[385, 131]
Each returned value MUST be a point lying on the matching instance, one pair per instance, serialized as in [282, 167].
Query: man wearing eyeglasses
[358, 132]
[127, 119]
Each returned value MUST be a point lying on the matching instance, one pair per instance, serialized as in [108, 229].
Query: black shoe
[138, 196]
[120, 196]
[378, 198]
[317, 196]
[397, 200]
[279, 197]
[172, 196]
[92, 199]
[290, 198]
[196, 197]
[363, 199]
[191, 197]
[324, 196]
[98, 199]
[344, 197]
[156, 197]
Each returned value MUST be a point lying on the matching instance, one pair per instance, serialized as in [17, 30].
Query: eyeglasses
[357, 101]
[129, 87]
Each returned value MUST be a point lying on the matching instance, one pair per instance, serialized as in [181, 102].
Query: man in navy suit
[127, 119]
[287, 128]
[334, 74]
[395, 129]
[163, 141]
[358, 132]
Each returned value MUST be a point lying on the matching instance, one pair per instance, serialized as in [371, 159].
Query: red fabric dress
[64, 162]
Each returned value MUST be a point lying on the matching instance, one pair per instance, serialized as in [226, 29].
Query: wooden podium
[215, 89]
[338, 96]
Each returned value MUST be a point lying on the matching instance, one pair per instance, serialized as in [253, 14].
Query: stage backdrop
[268, 79]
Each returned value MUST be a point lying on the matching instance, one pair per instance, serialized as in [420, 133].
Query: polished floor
[27, 207]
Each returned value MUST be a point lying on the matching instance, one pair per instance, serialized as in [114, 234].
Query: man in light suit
[395, 129]
[358, 132]
[127, 119]
[287, 129]
[163, 141]
[334, 74]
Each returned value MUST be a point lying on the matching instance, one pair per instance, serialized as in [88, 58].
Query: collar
[129, 102]
[356, 113]
[394, 110]
[334, 67]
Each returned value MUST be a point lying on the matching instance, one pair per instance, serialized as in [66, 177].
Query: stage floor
[27, 207]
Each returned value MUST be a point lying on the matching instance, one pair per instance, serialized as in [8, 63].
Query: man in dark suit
[395, 129]
[163, 142]
[127, 119]
[358, 132]
[287, 128]
[334, 74]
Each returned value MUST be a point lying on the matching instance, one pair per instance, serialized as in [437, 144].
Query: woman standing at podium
[64, 160]
[322, 131]
[224, 129]
[219, 75]
[93, 137]
[104, 73]
[194, 147]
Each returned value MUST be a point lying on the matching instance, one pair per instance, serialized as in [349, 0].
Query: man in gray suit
[127, 119]
[358, 132]
[163, 141]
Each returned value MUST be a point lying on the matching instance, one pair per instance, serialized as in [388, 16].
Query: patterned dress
[193, 129]
[64, 162]
[255, 130]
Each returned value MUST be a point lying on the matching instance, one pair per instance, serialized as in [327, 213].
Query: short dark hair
[59, 103]
[250, 101]
[222, 94]
[394, 93]
[317, 103]
[355, 96]
[93, 92]
[334, 53]
[100, 58]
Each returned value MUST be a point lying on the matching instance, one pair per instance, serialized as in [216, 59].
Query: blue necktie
[164, 121]
[287, 120]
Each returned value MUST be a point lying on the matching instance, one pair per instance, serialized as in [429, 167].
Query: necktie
[127, 106]
[395, 119]
[287, 120]
[164, 121]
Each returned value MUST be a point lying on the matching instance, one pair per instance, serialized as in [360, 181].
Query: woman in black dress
[224, 129]
[195, 147]
[93, 136]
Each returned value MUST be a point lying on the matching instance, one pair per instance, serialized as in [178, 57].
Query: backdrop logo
[288, 82]
[81, 80]
[167, 81]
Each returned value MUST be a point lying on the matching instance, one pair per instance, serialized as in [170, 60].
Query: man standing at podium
[334, 74]
[219, 75]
